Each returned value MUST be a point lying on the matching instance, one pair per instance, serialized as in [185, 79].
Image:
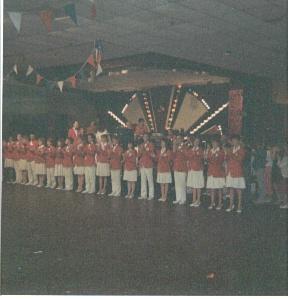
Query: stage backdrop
[235, 109]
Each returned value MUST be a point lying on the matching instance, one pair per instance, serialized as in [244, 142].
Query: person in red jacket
[16, 158]
[146, 155]
[59, 156]
[195, 178]
[32, 146]
[22, 149]
[216, 173]
[9, 163]
[130, 169]
[68, 154]
[89, 165]
[164, 160]
[115, 156]
[50, 164]
[235, 178]
[78, 160]
[103, 166]
[74, 132]
[180, 169]
[40, 167]
[141, 129]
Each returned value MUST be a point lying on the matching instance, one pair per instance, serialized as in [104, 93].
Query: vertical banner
[235, 111]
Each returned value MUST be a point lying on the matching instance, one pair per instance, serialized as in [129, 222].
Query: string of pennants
[94, 60]
[46, 16]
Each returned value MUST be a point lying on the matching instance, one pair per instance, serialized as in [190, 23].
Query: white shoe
[117, 195]
[218, 208]
[160, 199]
[85, 191]
[99, 192]
[92, 192]
[284, 206]
[127, 196]
[102, 193]
[230, 209]
[53, 187]
[39, 186]
[182, 203]
[175, 202]
[211, 207]
[35, 184]
[58, 188]
[239, 211]
[150, 198]
[111, 194]
[47, 186]
[131, 196]
[28, 184]
[140, 197]
[68, 189]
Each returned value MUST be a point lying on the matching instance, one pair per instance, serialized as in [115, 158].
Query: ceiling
[239, 35]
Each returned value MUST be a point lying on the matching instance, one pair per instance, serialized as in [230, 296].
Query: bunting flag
[38, 79]
[73, 81]
[46, 18]
[70, 11]
[15, 69]
[99, 51]
[60, 85]
[91, 61]
[16, 18]
[29, 70]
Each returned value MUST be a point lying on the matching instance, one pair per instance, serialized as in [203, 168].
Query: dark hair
[235, 136]
[140, 119]
[49, 139]
[92, 136]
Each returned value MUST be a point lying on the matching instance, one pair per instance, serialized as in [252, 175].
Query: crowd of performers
[179, 160]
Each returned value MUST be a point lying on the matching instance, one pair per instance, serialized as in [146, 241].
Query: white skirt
[103, 169]
[23, 164]
[195, 179]
[130, 175]
[59, 170]
[8, 163]
[215, 183]
[79, 170]
[164, 178]
[237, 183]
[40, 168]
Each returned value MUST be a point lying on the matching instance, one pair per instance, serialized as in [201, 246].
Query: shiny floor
[56, 242]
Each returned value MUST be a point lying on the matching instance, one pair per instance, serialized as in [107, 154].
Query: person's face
[32, 137]
[235, 142]
[145, 138]
[163, 145]
[40, 142]
[103, 139]
[59, 143]
[49, 143]
[76, 125]
[141, 123]
[90, 139]
[196, 142]
[114, 141]
[129, 145]
[19, 137]
[214, 144]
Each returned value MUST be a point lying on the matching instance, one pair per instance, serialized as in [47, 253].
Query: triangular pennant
[99, 69]
[29, 70]
[71, 12]
[90, 60]
[16, 18]
[15, 69]
[39, 78]
[46, 18]
[73, 81]
[60, 85]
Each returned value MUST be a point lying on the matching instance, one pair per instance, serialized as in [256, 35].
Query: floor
[56, 242]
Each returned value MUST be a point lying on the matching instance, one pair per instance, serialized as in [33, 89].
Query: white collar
[236, 149]
[213, 151]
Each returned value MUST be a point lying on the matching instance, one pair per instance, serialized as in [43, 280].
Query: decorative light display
[115, 117]
[173, 106]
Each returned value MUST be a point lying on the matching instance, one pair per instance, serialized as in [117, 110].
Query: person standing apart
[23, 160]
[235, 179]
[78, 160]
[89, 163]
[9, 163]
[268, 175]
[195, 178]
[130, 169]
[103, 166]
[50, 164]
[180, 169]
[68, 154]
[216, 174]
[146, 154]
[40, 167]
[16, 149]
[59, 156]
[115, 156]
[32, 146]
[74, 132]
[164, 160]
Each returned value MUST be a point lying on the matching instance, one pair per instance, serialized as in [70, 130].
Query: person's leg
[261, 186]
[29, 170]
[220, 195]
[128, 189]
[149, 175]
[117, 180]
[87, 181]
[143, 183]
[239, 195]
[194, 195]
[104, 184]
[162, 191]
[92, 178]
[48, 183]
[212, 194]
[182, 187]
[113, 182]
[231, 200]
[133, 184]
[166, 188]
[268, 182]
[61, 181]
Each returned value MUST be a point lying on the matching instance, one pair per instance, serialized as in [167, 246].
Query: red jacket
[215, 163]
[32, 146]
[140, 131]
[72, 133]
[78, 158]
[235, 159]
[68, 153]
[195, 158]
[40, 154]
[146, 154]
[16, 150]
[130, 160]
[59, 156]
[115, 155]
[50, 156]
[103, 153]
[164, 160]
[89, 150]
[9, 150]
[180, 160]
[22, 150]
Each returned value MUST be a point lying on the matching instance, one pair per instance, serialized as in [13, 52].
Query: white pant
[68, 174]
[147, 175]
[180, 186]
[32, 178]
[90, 178]
[116, 182]
[18, 172]
[50, 177]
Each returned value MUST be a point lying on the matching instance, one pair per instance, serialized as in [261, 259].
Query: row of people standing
[35, 162]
